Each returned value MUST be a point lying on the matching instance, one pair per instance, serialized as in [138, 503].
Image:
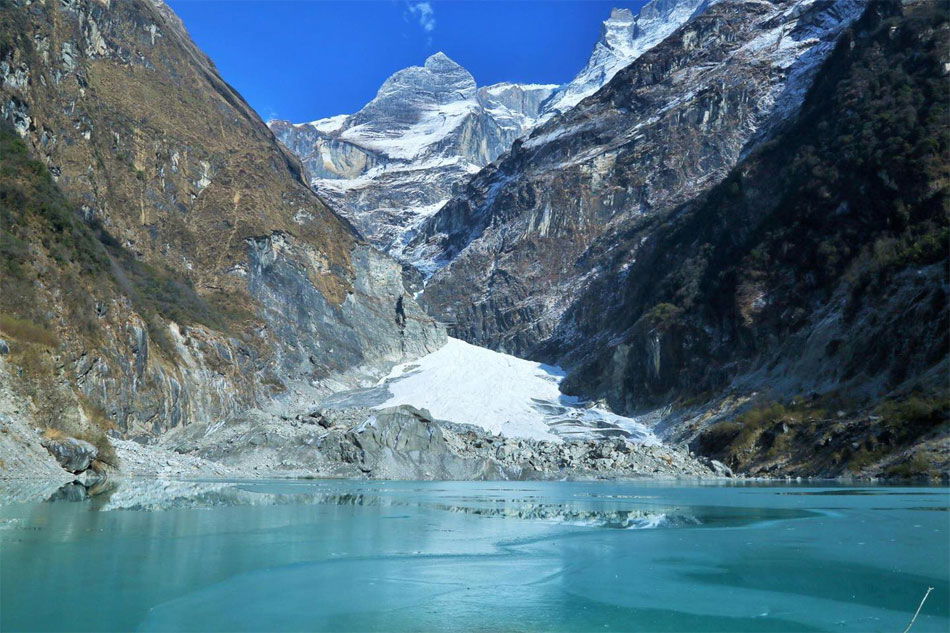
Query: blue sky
[304, 60]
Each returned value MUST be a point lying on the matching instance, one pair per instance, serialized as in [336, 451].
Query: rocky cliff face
[808, 291]
[396, 161]
[624, 37]
[164, 261]
[530, 230]
[740, 241]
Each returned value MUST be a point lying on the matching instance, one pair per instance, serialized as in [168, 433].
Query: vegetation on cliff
[162, 260]
[833, 235]
[38, 224]
[57, 274]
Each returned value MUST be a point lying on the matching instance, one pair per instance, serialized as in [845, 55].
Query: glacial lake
[472, 556]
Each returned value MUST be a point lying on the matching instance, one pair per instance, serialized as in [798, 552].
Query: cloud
[424, 14]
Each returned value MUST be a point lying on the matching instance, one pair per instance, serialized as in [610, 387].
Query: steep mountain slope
[396, 161]
[200, 276]
[520, 242]
[624, 37]
[813, 280]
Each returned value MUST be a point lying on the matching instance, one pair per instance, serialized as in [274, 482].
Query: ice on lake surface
[471, 556]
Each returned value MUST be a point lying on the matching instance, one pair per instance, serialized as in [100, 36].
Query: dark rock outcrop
[406, 443]
[527, 233]
[72, 454]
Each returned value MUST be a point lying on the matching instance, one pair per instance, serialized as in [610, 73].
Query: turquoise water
[496, 556]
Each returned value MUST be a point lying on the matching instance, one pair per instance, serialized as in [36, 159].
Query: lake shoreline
[396, 443]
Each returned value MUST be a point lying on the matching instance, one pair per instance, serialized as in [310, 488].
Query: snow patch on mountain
[799, 44]
[434, 124]
[502, 394]
[328, 125]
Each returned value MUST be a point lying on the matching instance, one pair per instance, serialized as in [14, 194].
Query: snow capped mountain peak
[624, 37]
[618, 32]
[620, 15]
[440, 62]
[439, 81]
[394, 163]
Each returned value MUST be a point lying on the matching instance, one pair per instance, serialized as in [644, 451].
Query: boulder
[72, 454]
[404, 442]
[316, 417]
[4, 347]
[505, 452]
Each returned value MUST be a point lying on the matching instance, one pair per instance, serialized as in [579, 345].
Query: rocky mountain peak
[396, 161]
[410, 91]
[440, 62]
[623, 38]
[620, 15]
[439, 73]
[618, 32]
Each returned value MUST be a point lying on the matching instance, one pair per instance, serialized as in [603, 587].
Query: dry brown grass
[27, 331]
[96, 414]
[54, 434]
[101, 441]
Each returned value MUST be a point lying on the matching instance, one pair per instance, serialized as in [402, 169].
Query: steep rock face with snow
[624, 38]
[517, 246]
[162, 260]
[396, 161]
[393, 164]
[793, 320]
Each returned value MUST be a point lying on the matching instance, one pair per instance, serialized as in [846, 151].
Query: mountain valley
[721, 249]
